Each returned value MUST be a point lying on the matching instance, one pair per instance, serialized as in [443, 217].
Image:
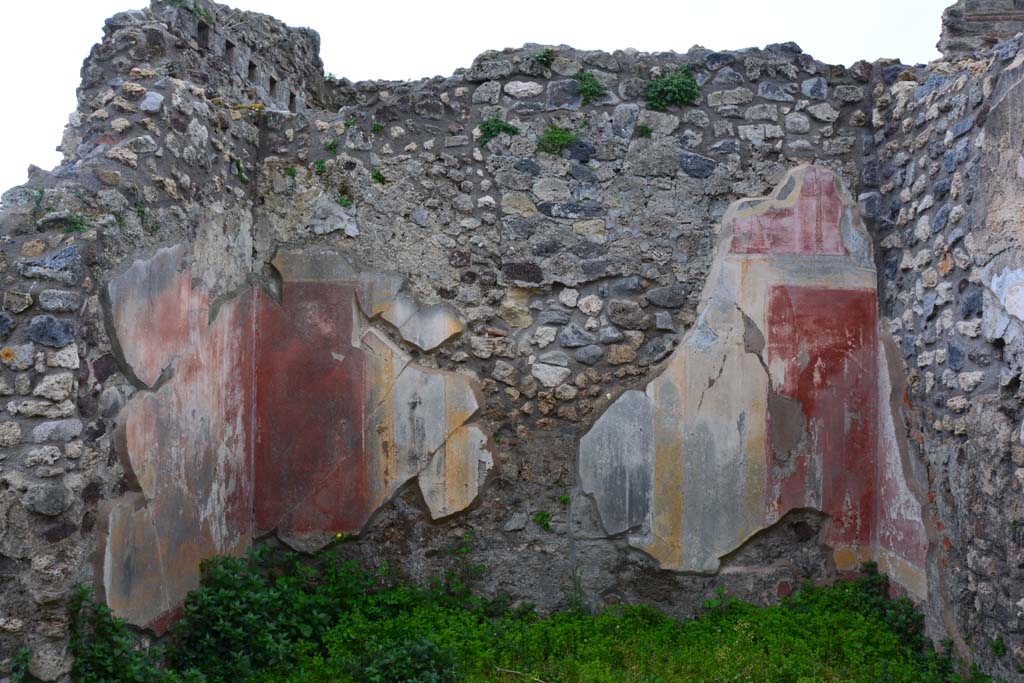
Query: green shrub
[344, 199]
[349, 122]
[643, 131]
[322, 620]
[590, 88]
[554, 139]
[320, 167]
[377, 127]
[331, 146]
[869, 594]
[410, 660]
[544, 57]
[676, 87]
[378, 177]
[291, 172]
[492, 128]
[104, 649]
[732, 641]
[262, 611]
[998, 646]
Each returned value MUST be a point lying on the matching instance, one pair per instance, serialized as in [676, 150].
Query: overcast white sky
[43, 42]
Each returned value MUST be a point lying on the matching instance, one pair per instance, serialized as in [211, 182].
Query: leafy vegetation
[543, 520]
[240, 171]
[193, 7]
[76, 222]
[554, 139]
[998, 646]
[104, 648]
[291, 171]
[378, 177]
[545, 57]
[643, 131]
[590, 88]
[345, 199]
[492, 128]
[676, 87]
[264, 619]
[320, 167]
[377, 127]
[331, 146]
[19, 665]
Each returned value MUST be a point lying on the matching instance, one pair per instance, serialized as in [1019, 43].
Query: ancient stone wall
[939, 186]
[974, 26]
[257, 305]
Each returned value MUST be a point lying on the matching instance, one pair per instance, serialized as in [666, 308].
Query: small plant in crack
[545, 57]
[542, 518]
[492, 128]
[554, 139]
[76, 222]
[590, 88]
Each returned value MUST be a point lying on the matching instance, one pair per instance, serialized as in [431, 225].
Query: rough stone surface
[415, 341]
[970, 26]
[50, 331]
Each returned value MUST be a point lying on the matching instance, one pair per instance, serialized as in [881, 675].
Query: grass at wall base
[290, 619]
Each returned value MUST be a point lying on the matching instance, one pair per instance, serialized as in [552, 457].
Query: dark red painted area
[310, 462]
[165, 621]
[240, 500]
[188, 447]
[810, 226]
[825, 340]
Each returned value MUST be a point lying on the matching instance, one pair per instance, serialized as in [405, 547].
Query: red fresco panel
[825, 340]
[189, 446]
[310, 462]
[809, 226]
[900, 528]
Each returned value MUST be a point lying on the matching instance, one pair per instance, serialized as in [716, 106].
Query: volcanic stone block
[62, 266]
[50, 331]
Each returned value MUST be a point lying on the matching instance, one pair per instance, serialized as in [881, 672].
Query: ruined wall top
[971, 26]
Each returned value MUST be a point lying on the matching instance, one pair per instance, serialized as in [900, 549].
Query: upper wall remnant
[971, 26]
